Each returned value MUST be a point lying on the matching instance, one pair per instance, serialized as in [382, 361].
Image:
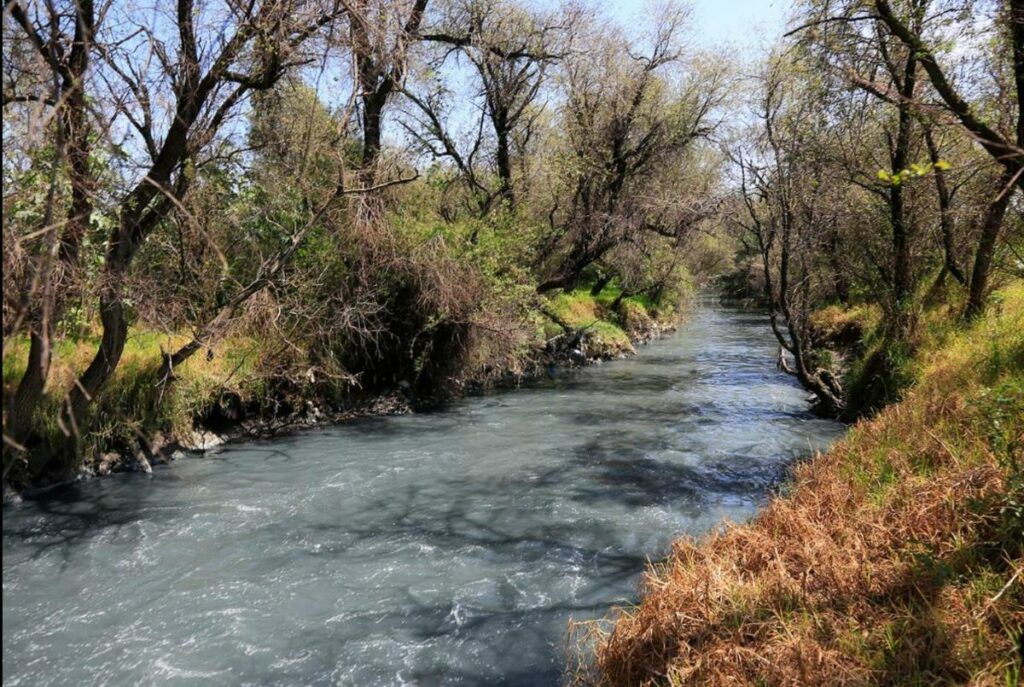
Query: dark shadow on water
[517, 677]
[638, 480]
[65, 516]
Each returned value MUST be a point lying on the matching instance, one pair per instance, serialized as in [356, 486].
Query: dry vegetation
[895, 558]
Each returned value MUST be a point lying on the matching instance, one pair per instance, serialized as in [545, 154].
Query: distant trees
[632, 120]
[381, 32]
[511, 51]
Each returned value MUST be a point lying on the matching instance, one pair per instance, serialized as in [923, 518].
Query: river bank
[894, 558]
[227, 396]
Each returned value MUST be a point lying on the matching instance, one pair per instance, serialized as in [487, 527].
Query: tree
[625, 124]
[380, 36]
[921, 26]
[1006, 149]
[204, 77]
[65, 57]
[785, 207]
[511, 50]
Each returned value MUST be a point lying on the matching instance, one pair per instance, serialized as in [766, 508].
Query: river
[446, 548]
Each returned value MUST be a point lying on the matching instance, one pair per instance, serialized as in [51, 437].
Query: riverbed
[445, 548]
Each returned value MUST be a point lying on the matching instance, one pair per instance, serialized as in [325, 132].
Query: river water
[443, 548]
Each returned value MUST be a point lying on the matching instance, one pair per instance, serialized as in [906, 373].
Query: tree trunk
[992, 223]
[602, 282]
[373, 112]
[557, 282]
[900, 248]
[504, 159]
[901, 268]
[30, 388]
[840, 284]
[902, 275]
[945, 210]
[104, 362]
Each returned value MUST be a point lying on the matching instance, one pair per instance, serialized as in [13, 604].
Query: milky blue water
[447, 548]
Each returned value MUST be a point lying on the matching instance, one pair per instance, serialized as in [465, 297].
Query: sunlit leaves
[915, 171]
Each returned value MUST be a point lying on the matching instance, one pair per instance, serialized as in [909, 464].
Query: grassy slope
[611, 333]
[133, 404]
[895, 558]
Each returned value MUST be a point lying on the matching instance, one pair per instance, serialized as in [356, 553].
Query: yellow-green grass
[612, 325]
[837, 322]
[580, 310]
[895, 558]
[134, 404]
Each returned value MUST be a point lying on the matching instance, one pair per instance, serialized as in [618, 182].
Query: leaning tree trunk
[601, 282]
[945, 210]
[72, 132]
[108, 355]
[992, 223]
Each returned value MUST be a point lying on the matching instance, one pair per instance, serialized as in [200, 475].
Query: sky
[746, 25]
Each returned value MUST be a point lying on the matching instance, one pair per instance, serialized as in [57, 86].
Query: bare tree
[510, 49]
[624, 120]
[789, 221]
[380, 35]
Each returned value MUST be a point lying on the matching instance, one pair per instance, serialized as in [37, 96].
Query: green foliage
[915, 171]
[613, 321]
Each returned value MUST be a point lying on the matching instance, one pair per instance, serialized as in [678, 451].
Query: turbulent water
[442, 548]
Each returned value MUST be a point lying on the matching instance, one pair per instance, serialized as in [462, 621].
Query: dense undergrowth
[264, 383]
[894, 558]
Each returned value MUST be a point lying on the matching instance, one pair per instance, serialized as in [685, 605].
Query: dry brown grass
[893, 559]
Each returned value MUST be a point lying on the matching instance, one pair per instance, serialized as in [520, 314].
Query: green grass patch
[135, 404]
